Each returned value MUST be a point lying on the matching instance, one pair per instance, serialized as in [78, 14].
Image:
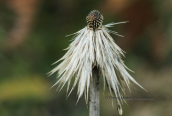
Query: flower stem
[94, 93]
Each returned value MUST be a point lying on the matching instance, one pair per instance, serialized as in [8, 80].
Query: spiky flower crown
[93, 46]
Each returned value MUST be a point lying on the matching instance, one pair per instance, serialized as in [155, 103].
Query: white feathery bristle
[88, 48]
[120, 111]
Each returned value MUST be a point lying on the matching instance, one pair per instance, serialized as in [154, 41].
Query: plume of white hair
[92, 48]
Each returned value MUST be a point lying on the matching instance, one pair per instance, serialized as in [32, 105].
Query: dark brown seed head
[94, 20]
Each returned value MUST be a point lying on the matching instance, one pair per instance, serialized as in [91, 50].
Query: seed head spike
[94, 20]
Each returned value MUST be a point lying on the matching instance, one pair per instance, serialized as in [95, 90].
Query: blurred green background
[32, 37]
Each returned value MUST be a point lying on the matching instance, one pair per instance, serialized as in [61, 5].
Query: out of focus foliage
[32, 37]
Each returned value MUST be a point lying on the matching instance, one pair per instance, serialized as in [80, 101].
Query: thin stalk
[94, 93]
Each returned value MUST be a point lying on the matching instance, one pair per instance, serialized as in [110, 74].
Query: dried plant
[93, 46]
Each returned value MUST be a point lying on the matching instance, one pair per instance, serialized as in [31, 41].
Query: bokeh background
[32, 37]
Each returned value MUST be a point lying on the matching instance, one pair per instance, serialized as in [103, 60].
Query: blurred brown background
[32, 37]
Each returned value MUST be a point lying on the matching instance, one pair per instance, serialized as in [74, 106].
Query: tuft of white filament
[92, 48]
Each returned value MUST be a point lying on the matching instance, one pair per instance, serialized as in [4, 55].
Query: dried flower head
[93, 46]
[94, 20]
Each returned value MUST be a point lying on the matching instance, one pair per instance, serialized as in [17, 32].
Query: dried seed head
[94, 20]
